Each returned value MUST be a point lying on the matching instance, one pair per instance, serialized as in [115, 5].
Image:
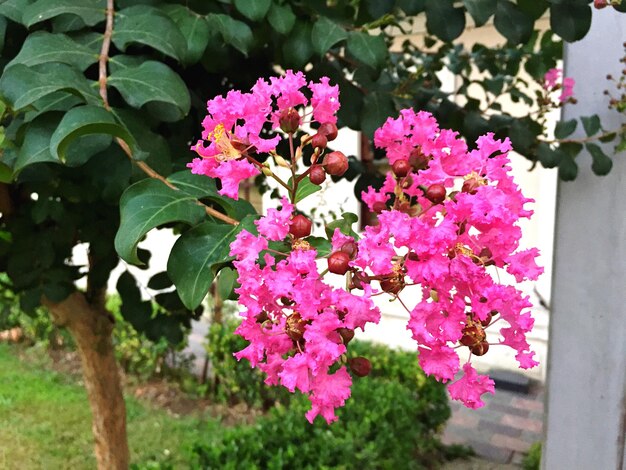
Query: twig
[102, 81]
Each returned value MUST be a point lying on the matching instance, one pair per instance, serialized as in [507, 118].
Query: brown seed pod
[300, 226]
[360, 366]
[329, 130]
[436, 193]
[319, 141]
[289, 120]
[335, 163]
[401, 168]
[346, 334]
[338, 262]
[480, 349]
[317, 174]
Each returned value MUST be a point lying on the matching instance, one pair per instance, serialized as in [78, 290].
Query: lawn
[45, 422]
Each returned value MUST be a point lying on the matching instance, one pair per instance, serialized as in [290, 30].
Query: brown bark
[92, 326]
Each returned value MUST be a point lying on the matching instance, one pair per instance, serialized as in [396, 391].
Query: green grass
[45, 422]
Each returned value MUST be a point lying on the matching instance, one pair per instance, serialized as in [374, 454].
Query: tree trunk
[91, 327]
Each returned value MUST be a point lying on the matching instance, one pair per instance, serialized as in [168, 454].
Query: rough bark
[91, 327]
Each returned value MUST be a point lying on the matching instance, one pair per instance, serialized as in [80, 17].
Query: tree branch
[102, 81]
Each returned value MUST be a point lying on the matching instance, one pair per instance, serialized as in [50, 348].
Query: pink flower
[551, 82]
[568, 89]
[469, 388]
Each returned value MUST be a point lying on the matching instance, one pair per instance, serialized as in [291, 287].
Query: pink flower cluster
[447, 221]
[551, 82]
[298, 326]
[241, 125]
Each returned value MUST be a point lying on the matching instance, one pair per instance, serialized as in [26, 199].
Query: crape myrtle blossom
[551, 82]
[447, 222]
[240, 125]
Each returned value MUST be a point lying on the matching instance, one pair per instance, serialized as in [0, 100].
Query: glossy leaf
[377, 107]
[194, 28]
[282, 18]
[151, 27]
[226, 282]
[480, 10]
[82, 121]
[305, 189]
[14, 9]
[146, 205]
[90, 11]
[591, 124]
[570, 21]
[41, 47]
[22, 85]
[564, 129]
[36, 145]
[513, 23]
[196, 256]
[568, 169]
[548, 157]
[602, 164]
[236, 33]
[368, 49]
[444, 20]
[326, 34]
[159, 281]
[153, 83]
[254, 10]
[298, 49]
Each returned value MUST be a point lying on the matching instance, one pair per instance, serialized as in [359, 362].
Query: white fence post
[586, 382]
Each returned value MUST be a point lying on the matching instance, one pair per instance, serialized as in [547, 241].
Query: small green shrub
[391, 420]
[532, 461]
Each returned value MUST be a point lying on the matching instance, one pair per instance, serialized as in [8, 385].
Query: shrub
[532, 461]
[391, 420]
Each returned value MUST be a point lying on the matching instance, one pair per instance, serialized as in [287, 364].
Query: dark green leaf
[298, 49]
[159, 281]
[41, 47]
[344, 225]
[151, 27]
[226, 282]
[236, 33]
[281, 18]
[411, 7]
[568, 169]
[67, 22]
[564, 129]
[36, 145]
[14, 9]
[196, 256]
[321, 245]
[326, 34]
[443, 20]
[481, 10]
[146, 205]
[22, 85]
[570, 21]
[153, 82]
[591, 124]
[368, 49]
[602, 164]
[515, 25]
[6, 173]
[254, 10]
[535, 8]
[3, 30]
[82, 121]
[548, 157]
[194, 28]
[305, 188]
[90, 11]
[608, 137]
[377, 107]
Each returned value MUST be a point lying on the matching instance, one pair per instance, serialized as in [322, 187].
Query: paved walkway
[504, 429]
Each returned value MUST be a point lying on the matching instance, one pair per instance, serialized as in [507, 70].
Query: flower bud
[335, 163]
[393, 285]
[436, 193]
[317, 174]
[470, 186]
[350, 248]
[338, 262]
[401, 168]
[329, 130]
[319, 141]
[360, 366]
[379, 206]
[480, 349]
[599, 4]
[289, 120]
[300, 226]
[261, 317]
[346, 334]
[418, 160]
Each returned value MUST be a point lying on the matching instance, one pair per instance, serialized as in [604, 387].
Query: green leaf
[548, 157]
[90, 11]
[443, 20]
[480, 10]
[377, 107]
[194, 28]
[146, 205]
[254, 10]
[515, 25]
[368, 49]
[41, 47]
[22, 85]
[326, 34]
[570, 21]
[298, 49]
[411, 7]
[226, 282]
[203, 187]
[535, 8]
[591, 124]
[151, 27]
[159, 281]
[564, 129]
[321, 245]
[153, 83]
[36, 145]
[13, 9]
[82, 121]
[3, 30]
[602, 164]
[305, 188]
[196, 256]
[568, 169]
[281, 18]
[6, 173]
[344, 225]
[236, 33]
